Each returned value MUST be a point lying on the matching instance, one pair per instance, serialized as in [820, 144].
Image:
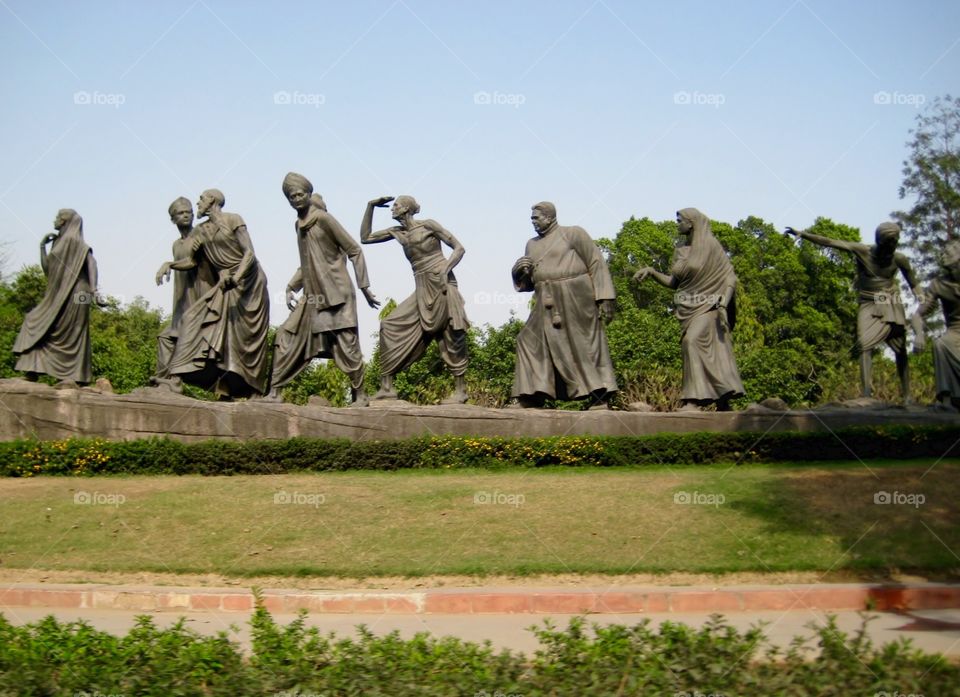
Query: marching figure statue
[562, 350]
[946, 348]
[881, 317]
[435, 311]
[323, 322]
[55, 336]
[705, 304]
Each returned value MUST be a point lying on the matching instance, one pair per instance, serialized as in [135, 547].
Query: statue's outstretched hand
[381, 202]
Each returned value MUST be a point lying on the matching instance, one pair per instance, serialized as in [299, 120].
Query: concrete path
[930, 630]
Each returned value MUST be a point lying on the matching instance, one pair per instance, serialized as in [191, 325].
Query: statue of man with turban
[323, 322]
[881, 317]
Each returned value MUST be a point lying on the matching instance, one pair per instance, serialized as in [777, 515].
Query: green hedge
[73, 659]
[25, 458]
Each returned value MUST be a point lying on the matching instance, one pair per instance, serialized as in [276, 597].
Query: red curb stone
[238, 603]
[205, 601]
[400, 606]
[274, 603]
[931, 598]
[13, 596]
[786, 599]
[52, 598]
[705, 601]
[832, 598]
[563, 603]
[368, 605]
[619, 602]
[501, 603]
[335, 604]
[448, 603]
[657, 602]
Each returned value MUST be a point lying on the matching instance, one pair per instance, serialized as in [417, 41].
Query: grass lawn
[416, 523]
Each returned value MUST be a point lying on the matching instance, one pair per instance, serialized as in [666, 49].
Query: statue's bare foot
[386, 394]
[456, 397]
[272, 396]
[360, 399]
[689, 406]
[66, 385]
[174, 385]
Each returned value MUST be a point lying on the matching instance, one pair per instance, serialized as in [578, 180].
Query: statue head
[209, 199]
[950, 259]
[297, 188]
[887, 235]
[181, 212]
[543, 215]
[404, 204]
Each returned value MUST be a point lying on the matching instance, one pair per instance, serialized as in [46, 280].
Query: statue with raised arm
[189, 285]
[222, 342]
[946, 348]
[323, 321]
[705, 304]
[435, 311]
[55, 336]
[562, 350]
[881, 317]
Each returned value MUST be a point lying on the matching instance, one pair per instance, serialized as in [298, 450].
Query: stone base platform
[33, 410]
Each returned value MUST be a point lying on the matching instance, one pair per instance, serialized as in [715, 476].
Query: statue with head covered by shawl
[55, 336]
[323, 320]
[705, 303]
[881, 318]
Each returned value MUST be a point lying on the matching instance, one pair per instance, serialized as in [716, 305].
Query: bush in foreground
[78, 456]
[72, 659]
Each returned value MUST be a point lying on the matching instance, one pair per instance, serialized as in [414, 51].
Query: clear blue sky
[784, 109]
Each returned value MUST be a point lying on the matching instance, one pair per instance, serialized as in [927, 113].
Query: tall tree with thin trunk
[931, 178]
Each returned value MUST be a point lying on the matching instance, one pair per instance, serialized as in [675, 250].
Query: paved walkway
[930, 630]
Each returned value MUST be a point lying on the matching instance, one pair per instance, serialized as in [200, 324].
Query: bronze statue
[881, 317]
[562, 350]
[222, 343]
[189, 285]
[55, 336]
[323, 323]
[705, 304]
[435, 311]
[946, 348]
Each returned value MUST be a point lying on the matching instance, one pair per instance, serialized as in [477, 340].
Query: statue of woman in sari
[946, 348]
[705, 285]
[435, 311]
[55, 336]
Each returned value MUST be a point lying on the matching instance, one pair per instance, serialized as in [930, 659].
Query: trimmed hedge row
[76, 456]
[73, 659]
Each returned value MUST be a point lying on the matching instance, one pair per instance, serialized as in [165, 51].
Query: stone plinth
[36, 410]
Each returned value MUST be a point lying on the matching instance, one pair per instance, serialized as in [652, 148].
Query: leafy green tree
[931, 177]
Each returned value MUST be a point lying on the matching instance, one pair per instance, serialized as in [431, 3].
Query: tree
[931, 175]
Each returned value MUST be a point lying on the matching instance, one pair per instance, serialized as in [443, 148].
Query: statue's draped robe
[881, 317]
[324, 323]
[55, 336]
[946, 348]
[704, 273]
[223, 336]
[188, 287]
[562, 350]
[435, 310]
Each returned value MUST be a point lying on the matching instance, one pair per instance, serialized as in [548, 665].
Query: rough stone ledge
[469, 601]
[39, 411]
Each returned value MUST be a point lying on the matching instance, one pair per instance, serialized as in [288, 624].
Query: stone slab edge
[468, 601]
